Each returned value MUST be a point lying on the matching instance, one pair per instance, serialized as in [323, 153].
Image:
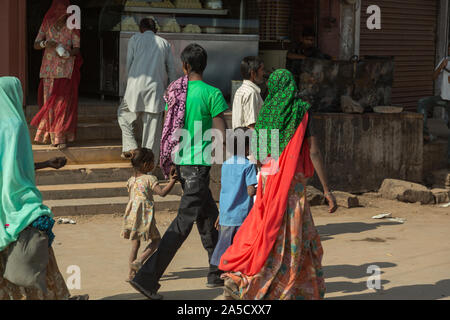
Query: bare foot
[332, 205]
[131, 275]
[136, 265]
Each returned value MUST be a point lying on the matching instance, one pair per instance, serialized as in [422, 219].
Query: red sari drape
[257, 235]
[60, 111]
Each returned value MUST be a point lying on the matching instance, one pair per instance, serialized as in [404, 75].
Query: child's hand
[173, 176]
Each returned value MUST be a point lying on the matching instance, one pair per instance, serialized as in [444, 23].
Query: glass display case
[228, 30]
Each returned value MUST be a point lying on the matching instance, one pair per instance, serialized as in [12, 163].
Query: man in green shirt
[204, 109]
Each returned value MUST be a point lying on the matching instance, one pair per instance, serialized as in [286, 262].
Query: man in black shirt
[302, 48]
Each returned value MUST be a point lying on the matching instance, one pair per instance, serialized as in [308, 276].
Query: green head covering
[282, 110]
[21, 201]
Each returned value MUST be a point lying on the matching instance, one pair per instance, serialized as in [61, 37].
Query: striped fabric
[246, 105]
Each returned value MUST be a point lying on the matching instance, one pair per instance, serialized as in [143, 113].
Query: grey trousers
[151, 129]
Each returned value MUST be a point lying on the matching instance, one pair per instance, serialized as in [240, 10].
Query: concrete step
[98, 108]
[102, 118]
[92, 206]
[93, 131]
[93, 190]
[106, 129]
[88, 173]
[82, 153]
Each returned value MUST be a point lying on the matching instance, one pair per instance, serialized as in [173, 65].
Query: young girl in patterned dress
[139, 223]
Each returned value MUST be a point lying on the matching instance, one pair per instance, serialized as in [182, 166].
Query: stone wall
[323, 82]
[360, 151]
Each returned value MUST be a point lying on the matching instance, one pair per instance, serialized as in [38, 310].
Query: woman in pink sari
[60, 76]
[277, 253]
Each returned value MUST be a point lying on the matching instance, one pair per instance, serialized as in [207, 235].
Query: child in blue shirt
[236, 196]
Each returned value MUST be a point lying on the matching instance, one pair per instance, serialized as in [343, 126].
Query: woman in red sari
[60, 76]
[277, 253]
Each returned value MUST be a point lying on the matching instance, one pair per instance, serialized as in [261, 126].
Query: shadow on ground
[329, 230]
[205, 294]
[352, 272]
[411, 292]
[439, 290]
[187, 273]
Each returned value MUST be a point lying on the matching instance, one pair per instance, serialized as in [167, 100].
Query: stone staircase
[94, 179]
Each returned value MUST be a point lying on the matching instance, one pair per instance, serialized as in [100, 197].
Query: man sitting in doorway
[302, 47]
[427, 104]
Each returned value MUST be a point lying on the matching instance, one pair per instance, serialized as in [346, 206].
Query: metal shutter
[408, 32]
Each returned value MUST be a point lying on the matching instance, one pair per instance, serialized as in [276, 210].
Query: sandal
[62, 146]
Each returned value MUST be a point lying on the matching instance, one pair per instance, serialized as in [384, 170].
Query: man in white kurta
[150, 69]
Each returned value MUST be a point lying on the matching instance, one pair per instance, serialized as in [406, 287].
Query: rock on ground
[405, 191]
[441, 195]
[346, 200]
[315, 197]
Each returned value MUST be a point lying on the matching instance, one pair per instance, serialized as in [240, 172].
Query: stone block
[406, 191]
[375, 147]
[346, 200]
[375, 195]
[315, 197]
[441, 195]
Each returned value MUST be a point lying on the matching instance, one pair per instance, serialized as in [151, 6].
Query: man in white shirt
[247, 99]
[150, 69]
[442, 72]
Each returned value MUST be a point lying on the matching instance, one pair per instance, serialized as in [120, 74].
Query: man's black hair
[148, 24]
[196, 57]
[250, 64]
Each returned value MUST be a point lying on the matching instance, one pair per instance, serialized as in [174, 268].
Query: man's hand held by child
[216, 224]
[173, 176]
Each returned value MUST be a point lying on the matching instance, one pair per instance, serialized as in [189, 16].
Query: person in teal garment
[21, 202]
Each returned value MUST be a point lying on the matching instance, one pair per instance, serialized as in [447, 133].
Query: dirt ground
[414, 257]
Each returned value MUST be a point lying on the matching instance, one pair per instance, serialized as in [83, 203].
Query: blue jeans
[428, 104]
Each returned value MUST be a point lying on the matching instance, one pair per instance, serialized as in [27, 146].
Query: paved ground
[414, 257]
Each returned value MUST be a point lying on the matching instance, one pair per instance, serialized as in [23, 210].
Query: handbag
[27, 260]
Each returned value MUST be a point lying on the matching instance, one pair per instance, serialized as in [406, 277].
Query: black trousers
[196, 205]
